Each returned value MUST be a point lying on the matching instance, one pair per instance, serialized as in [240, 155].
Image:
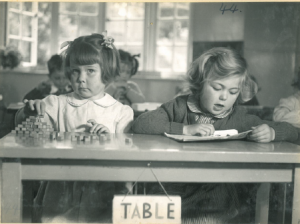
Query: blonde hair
[221, 63]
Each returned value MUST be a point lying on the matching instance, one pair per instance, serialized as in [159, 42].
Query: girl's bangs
[85, 54]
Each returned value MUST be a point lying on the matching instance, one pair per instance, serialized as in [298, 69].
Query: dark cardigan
[173, 115]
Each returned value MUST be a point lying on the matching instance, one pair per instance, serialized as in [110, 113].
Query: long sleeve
[288, 110]
[170, 118]
[242, 121]
[125, 121]
[134, 93]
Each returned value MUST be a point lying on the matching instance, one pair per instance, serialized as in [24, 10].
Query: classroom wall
[270, 46]
[269, 32]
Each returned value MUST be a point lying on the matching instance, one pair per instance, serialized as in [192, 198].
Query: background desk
[124, 160]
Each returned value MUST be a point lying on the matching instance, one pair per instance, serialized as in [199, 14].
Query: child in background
[218, 81]
[56, 84]
[288, 109]
[123, 90]
[91, 63]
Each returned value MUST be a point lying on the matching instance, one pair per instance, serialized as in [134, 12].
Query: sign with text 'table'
[146, 209]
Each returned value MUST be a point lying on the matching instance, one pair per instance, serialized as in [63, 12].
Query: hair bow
[108, 41]
[65, 44]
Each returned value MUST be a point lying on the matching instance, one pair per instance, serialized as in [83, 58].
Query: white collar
[106, 101]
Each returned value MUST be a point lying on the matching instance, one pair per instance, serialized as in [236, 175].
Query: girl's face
[59, 79]
[86, 80]
[219, 95]
[125, 72]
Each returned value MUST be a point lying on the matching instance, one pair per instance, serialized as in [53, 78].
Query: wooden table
[126, 156]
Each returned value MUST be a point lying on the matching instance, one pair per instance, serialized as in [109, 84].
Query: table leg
[296, 198]
[11, 203]
[0, 188]
[262, 204]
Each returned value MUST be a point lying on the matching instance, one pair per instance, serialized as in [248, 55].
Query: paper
[193, 138]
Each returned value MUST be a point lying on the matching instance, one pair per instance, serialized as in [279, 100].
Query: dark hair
[55, 63]
[91, 49]
[130, 60]
[220, 63]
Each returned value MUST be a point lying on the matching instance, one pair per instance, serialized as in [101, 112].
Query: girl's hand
[121, 84]
[262, 133]
[97, 128]
[202, 129]
[34, 107]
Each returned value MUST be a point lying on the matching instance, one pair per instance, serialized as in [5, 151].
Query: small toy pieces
[34, 127]
[86, 137]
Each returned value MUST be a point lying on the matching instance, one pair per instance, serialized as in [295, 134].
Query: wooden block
[14, 131]
[127, 141]
[87, 138]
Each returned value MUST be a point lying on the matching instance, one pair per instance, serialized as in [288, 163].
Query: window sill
[152, 75]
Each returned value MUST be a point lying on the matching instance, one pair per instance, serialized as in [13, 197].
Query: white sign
[146, 209]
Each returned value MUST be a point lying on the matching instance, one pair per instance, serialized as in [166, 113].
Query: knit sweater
[173, 115]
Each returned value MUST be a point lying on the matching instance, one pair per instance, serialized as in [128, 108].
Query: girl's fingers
[38, 107]
[43, 106]
[95, 128]
[92, 121]
[31, 104]
[103, 129]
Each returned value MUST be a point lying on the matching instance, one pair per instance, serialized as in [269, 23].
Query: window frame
[150, 37]
[20, 37]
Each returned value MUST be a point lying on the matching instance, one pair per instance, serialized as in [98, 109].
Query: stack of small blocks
[34, 127]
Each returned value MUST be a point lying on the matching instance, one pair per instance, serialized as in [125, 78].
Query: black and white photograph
[140, 112]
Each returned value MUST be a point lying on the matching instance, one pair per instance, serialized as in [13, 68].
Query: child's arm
[199, 129]
[134, 93]
[31, 108]
[287, 111]
[167, 118]
[262, 133]
[97, 128]
[282, 130]
[40, 92]
[125, 120]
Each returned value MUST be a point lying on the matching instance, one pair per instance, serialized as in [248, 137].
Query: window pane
[87, 25]
[14, 43]
[68, 6]
[27, 26]
[116, 10]
[14, 23]
[166, 9]
[44, 34]
[164, 58]
[135, 31]
[27, 6]
[26, 51]
[88, 7]
[135, 10]
[182, 9]
[180, 59]
[182, 32]
[165, 32]
[116, 30]
[67, 27]
[14, 5]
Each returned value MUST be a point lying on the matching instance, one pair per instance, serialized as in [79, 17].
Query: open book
[218, 135]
